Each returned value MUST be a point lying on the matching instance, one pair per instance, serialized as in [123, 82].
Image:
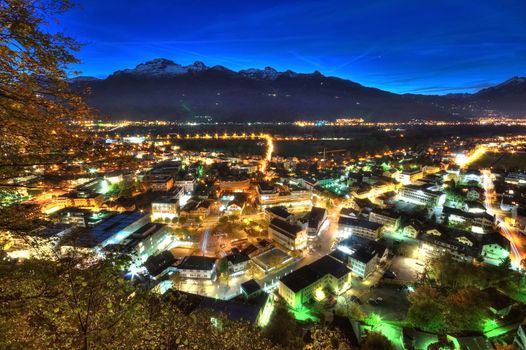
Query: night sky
[430, 47]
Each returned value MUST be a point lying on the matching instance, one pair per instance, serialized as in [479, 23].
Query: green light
[303, 314]
[489, 325]
[374, 320]
[104, 187]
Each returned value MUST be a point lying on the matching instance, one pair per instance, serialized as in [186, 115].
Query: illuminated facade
[407, 177]
[83, 200]
[362, 228]
[326, 275]
[161, 183]
[198, 267]
[287, 235]
[422, 195]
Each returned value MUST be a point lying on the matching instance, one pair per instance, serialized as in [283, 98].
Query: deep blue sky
[419, 46]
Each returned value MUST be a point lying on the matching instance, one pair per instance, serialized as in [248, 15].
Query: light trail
[204, 244]
[268, 154]
[464, 161]
[517, 253]
[244, 136]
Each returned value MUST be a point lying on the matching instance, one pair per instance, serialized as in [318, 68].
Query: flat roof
[362, 254]
[358, 223]
[316, 215]
[250, 287]
[109, 227]
[195, 262]
[285, 228]
[156, 264]
[279, 210]
[308, 274]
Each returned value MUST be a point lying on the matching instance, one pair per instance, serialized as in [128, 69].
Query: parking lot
[406, 269]
[394, 304]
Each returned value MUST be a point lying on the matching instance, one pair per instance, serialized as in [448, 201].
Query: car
[355, 299]
[379, 300]
[372, 301]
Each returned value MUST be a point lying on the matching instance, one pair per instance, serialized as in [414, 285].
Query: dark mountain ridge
[163, 89]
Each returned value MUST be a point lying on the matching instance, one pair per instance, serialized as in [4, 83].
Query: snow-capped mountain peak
[156, 67]
[197, 66]
[268, 73]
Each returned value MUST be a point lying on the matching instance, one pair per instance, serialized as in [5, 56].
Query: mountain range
[164, 90]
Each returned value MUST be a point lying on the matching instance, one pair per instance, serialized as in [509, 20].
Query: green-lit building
[314, 281]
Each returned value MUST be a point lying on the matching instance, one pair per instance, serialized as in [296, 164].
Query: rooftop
[156, 264]
[285, 228]
[358, 223]
[195, 262]
[309, 274]
[250, 287]
[108, 228]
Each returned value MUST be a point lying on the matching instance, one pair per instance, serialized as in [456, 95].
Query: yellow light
[319, 294]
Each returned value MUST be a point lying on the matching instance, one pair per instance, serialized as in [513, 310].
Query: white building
[388, 219]
[237, 263]
[407, 177]
[187, 183]
[358, 227]
[167, 207]
[198, 267]
[423, 195]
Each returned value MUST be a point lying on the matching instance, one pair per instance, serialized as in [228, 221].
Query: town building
[430, 196]
[112, 230]
[358, 227]
[360, 254]
[167, 206]
[407, 177]
[40, 243]
[517, 179]
[471, 176]
[317, 217]
[196, 209]
[412, 229]
[161, 183]
[480, 222]
[145, 242]
[314, 281]
[187, 182]
[279, 212]
[436, 242]
[494, 248]
[83, 200]
[499, 304]
[198, 267]
[158, 265]
[287, 235]
[293, 196]
[390, 220]
[250, 289]
[234, 183]
[237, 263]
